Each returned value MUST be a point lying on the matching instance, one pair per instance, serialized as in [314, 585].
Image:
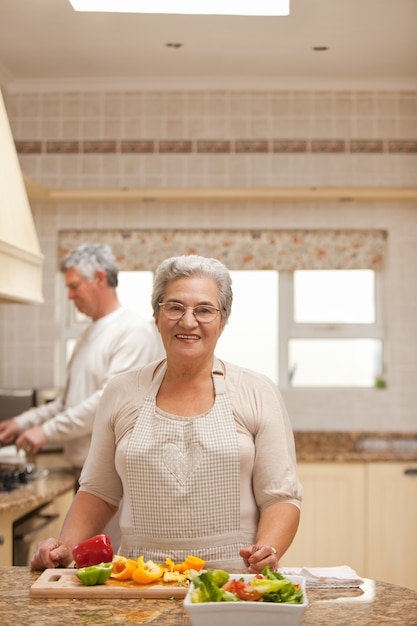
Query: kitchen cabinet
[359, 514]
[392, 523]
[332, 528]
[56, 504]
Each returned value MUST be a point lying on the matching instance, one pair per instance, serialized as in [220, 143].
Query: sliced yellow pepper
[193, 562]
[123, 568]
[171, 566]
[146, 573]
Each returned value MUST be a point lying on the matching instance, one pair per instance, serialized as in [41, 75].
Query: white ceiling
[45, 44]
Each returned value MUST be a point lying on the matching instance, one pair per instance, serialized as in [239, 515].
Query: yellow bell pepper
[193, 562]
[123, 568]
[146, 573]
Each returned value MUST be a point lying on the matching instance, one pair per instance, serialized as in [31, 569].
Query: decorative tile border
[63, 147]
[220, 146]
[293, 146]
[178, 147]
[252, 145]
[402, 146]
[367, 146]
[326, 145]
[29, 147]
[137, 147]
[100, 147]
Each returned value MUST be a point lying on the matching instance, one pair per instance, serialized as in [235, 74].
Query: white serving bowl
[247, 613]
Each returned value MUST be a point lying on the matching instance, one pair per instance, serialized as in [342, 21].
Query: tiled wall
[222, 139]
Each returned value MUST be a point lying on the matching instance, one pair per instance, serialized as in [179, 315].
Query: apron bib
[184, 482]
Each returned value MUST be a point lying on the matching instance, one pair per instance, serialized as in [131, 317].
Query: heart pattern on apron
[182, 465]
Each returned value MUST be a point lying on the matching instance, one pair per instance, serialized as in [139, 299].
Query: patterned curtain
[240, 249]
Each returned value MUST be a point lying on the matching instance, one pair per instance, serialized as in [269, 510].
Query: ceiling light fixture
[187, 7]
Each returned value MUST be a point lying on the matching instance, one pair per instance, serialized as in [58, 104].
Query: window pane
[135, 292]
[250, 338]
[334, 363]
[334, 296]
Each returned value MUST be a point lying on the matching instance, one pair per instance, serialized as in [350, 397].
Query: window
[250, 338]
[333, 328]
[334, 296]
[307, 328]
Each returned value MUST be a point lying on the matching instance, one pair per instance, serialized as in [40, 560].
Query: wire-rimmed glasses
[203, 313]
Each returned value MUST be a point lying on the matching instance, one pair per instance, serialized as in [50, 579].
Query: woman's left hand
[257, 557]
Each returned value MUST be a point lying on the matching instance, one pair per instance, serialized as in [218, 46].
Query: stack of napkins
[341, 576]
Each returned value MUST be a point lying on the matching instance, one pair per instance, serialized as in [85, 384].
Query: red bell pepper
[93, 551]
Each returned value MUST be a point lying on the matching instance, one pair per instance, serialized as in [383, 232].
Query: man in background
[116, 341]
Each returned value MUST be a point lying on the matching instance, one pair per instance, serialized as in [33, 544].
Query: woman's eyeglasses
[203, 313]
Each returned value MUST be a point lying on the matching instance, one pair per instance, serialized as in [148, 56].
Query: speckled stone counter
[333, 446]
[32, 495]
[373, 604]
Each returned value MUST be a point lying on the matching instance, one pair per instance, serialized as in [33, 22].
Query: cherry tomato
[242, 590]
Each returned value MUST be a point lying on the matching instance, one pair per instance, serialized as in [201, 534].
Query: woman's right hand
[51, 553]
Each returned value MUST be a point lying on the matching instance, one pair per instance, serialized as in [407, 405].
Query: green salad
[218, 586]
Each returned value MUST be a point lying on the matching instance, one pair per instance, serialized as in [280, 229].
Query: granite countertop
[58, 480]
[371, 605]
[34, 494]
[334, 446]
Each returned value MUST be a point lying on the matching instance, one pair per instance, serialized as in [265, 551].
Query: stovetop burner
[14, 477]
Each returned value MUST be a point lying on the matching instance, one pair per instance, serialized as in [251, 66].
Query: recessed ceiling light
[189, 7]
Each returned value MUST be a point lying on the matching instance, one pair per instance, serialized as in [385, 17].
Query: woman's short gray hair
[90, 257]
[193, 265]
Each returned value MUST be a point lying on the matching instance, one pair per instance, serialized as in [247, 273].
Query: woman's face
[187, 337]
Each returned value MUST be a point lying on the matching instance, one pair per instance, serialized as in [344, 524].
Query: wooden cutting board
[63, 583]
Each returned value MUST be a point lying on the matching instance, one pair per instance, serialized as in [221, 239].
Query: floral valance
[240, 249]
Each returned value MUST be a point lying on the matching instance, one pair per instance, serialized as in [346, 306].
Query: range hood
[20, 255]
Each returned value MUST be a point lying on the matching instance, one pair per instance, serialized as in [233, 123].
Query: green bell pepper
[95, 574]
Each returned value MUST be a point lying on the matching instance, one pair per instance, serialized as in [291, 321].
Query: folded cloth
[12, 456]
[341, 576]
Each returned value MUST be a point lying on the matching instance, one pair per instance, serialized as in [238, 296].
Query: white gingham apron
[184, 480]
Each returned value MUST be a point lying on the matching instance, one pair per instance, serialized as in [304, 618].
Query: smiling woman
[171, 432]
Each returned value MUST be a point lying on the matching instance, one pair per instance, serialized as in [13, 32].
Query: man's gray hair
[90, 257]
[193, 265]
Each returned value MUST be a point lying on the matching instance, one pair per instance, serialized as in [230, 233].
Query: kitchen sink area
[395, 444]
[351, 446]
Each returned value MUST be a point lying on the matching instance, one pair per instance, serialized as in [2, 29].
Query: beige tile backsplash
[373, 136]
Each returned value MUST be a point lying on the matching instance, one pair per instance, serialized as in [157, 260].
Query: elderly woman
[199, 453]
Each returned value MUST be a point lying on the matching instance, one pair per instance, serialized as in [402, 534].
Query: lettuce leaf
[273, 586]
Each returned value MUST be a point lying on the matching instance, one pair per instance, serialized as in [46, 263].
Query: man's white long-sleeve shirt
[113, 344]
